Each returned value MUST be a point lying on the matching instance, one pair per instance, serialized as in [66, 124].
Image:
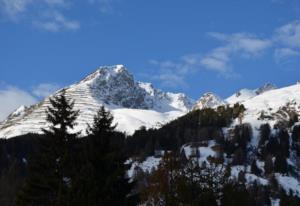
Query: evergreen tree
[162, 188]
[265, 131]
[296, 134]
[51, 172]
[280, 164]
[254, 169]
[239, 157]
[284, 139]
[102, 178]
[293, 118]
[296, 139]
[102, 125]
[273, 146]
[236, 194]
[269, 167]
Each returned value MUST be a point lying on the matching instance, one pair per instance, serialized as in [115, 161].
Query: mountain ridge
[134, 104]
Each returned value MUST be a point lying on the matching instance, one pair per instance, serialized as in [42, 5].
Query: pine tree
[265, 131]
[239, 157]
[166, 184]
[284, 139]
[280, 164]
[269, 167]
[235, 194]
[296, 139]
[102, 178]
[102, 124]
[254, 169]
[296, 134]
[50, 172]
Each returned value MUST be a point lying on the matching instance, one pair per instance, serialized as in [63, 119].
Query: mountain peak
[266, 87]
[208, 100]
[107, 72]
[132, 103]
[113, 69]
[245, 94]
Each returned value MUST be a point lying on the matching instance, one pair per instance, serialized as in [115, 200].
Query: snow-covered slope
[273, 106]
[263, 105]
[133, 104]
[245, 94]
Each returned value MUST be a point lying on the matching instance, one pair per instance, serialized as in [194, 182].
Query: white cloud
[172, 74]
[283, 53]
[45, 90]
[238, 44]
[105, 6]
[44, 14]
[12, 98]
[215, 63]
[57, 22]
[245, 42]
[171, 80]
[12, 8]
[289, 34]
[219, 59]
[50, 15]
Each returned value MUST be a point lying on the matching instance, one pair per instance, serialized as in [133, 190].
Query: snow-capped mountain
[265, 88]
[245, 94]
[208, 100]
[263, 105]
[133, 104]
[268, 104]
[273, 106]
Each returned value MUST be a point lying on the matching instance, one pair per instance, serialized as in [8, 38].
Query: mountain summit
[208, 100]
[133, 104]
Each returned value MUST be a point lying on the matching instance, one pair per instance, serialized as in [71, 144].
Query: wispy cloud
[289, 34]
[172, 74]
[287, 43]
[55, 22]
[45, 89]
[44, 14]
[12, 98]
[284, 53]
[104, 6]
[284, 43]
[13, 8]
[219, 59]
[234, 45]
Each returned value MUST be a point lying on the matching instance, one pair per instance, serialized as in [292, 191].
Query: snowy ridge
[272, 107]
[245, 94]
[133, 104]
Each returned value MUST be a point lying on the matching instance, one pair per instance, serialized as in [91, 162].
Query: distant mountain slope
[133, 104]
[245, 94]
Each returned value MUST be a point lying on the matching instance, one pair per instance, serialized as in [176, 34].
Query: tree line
[64, 169]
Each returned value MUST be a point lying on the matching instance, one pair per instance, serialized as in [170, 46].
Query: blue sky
[181, 46]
